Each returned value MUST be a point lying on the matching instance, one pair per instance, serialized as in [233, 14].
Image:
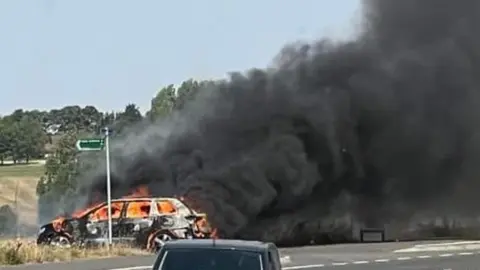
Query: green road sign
[90, 144]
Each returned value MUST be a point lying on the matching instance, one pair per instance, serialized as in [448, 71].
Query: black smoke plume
[373, 130]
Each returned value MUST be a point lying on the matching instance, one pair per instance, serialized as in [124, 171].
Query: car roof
[218, 243]
[144, 199]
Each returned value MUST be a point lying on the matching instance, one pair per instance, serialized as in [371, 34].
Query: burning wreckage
[144, 222]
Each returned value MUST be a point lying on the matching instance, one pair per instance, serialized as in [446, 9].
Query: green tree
[107, 120]
[130, 116]
[17, 115]
[163, 103]
[59, 179]
[188, 91]
[91, 118]
[5, 145]
[27, 139]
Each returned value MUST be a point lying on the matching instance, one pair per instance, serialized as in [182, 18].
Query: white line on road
[424, 256]
[446, 255]
[303, 266]
[134, 268]
[285, 259]
[339, 263]
[309, 266]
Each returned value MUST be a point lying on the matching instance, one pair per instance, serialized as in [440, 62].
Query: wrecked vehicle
[143, 222]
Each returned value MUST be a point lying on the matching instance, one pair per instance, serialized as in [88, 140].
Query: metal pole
[109, 195]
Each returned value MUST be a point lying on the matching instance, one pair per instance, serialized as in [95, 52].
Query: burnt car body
[144, 222]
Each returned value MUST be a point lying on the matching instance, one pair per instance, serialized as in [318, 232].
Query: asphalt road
[355, 256]
[439, 263]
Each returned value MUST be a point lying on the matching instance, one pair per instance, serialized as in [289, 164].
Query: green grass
[34, 169]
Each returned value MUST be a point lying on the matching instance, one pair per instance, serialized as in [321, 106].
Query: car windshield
[210, 259]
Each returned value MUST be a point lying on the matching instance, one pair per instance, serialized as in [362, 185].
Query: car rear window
[210, 259]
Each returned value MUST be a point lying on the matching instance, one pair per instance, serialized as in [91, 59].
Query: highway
[415, 255]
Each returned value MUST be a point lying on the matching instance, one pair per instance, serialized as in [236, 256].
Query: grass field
[22, 251]
[33, 169]
[20, 181]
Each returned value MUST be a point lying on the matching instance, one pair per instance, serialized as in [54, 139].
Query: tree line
[26, 135]
[65, 163]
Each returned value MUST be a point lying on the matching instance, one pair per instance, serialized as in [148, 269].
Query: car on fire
[144, 222]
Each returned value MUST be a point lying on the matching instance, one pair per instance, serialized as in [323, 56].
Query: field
[19, 181]
[14, 252]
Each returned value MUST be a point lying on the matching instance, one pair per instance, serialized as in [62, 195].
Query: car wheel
[159, 239]
[60, 241]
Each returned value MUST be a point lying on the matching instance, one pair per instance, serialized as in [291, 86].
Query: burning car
[145, 222]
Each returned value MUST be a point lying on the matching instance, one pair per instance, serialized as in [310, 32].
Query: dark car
[145, 222]
[217, 254]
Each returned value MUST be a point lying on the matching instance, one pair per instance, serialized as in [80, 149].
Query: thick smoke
[373, 130]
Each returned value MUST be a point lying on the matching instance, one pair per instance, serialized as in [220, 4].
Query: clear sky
[108, 53]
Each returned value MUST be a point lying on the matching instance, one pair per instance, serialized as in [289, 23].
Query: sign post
[99, 145]
[109, 185]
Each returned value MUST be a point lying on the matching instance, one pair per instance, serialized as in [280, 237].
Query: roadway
[348, 257]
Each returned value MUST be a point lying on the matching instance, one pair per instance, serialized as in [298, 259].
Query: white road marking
[448, 246]
[303, 266]
[134, 268]
[287, 259]
[339, 263]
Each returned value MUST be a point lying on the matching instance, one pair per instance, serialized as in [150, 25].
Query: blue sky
[108, 53]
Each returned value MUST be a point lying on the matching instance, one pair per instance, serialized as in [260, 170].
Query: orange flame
[57, 223]
[141, 191]
[82, 212]
[203, 226]
[138, 209]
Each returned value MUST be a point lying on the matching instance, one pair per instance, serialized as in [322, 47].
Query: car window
[140, 209]
[165, 207]
[210, 259]
[102, 212]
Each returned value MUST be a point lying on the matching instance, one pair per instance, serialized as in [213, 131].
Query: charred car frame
[143, 222]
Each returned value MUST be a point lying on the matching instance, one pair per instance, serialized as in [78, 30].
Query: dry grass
[20, 182]
[23, 251]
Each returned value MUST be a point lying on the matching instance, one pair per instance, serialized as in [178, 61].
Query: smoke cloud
[379, 128]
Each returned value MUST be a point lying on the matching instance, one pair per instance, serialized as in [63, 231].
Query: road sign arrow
[90, 144]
